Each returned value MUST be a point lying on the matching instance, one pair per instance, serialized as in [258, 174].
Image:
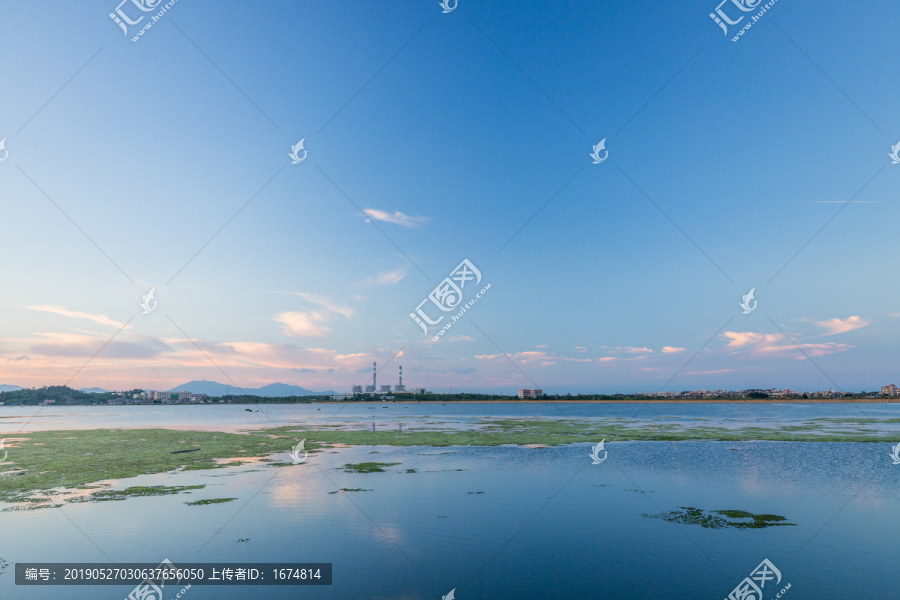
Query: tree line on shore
[62, 395]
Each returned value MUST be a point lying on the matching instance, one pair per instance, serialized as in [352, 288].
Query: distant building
[184, 395]
[342, 396]
[422, 391]
[385, 389]
[357, 389]
[889, 390]
[370, 389]
[531, 393]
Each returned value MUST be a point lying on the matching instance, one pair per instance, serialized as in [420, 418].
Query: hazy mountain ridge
[273, 390]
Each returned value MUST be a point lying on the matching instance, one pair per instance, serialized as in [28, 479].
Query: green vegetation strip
[367, 467]
[136, 492]
[44, 460]
[210, 501]
[688, 515]
[71, 459]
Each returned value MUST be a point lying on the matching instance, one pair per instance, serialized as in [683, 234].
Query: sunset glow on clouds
[136, 358]
[836, 326]
[308, 273]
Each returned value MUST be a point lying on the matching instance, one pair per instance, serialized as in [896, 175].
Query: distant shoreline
[879, 400]
[637, 401]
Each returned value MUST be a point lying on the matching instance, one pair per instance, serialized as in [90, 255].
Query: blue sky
[133, 162]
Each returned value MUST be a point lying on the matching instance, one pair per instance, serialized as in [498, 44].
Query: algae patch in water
[137, 491]
[688, 515]
[367, 467]
[68, 459]
[209, 501]
[43, 461]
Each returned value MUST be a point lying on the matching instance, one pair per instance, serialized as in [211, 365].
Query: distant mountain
[94, 390]
[10, 388]
[273, 390]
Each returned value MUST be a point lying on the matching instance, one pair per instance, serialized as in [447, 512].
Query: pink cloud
[836, 326]
[776, 344]
[303, 324]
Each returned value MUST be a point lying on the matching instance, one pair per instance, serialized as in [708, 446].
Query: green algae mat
[48, 460]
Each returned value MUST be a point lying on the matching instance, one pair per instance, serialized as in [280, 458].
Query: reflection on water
[504, 522]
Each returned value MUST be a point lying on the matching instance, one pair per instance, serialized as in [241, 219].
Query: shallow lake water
[494, 522]
[450, 415]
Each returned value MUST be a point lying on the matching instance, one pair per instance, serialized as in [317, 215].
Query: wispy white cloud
[835, 326]
[311, 323]
[388, 277]
[303, 324]
[630, 349]
[61, 310]
[776, 344]
[397, 217]
[326, 303]
[74, 345]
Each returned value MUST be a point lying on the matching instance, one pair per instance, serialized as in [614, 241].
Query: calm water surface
[548, 524]
[233, 416]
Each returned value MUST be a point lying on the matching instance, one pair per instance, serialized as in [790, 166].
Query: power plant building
[400, 388]
[375, 388]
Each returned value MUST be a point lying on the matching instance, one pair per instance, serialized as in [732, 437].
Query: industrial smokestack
[374, 375]
[401, 377]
